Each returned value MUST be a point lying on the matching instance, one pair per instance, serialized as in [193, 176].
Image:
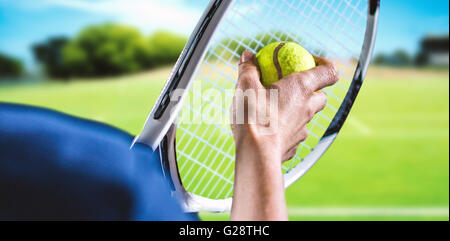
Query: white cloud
[148, 15]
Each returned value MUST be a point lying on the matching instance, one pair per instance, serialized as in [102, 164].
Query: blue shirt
[58, 167]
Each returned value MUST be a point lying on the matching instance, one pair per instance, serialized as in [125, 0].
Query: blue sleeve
[58, 167]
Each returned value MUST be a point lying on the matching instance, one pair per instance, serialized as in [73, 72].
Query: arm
[55, 166]
[259, 187]
[263, 141]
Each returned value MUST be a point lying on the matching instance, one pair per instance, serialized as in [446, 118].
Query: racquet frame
[160, 128]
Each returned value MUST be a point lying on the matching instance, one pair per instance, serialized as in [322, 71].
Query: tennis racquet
[189, 124]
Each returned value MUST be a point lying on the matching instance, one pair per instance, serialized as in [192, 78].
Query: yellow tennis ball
[279, 59]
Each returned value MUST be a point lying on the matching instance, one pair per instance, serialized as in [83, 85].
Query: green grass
[392, 152]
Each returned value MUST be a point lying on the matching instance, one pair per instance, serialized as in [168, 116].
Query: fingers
[323, 75]
[317, 102]
[248, 70]
[297, 138]
[289, 155]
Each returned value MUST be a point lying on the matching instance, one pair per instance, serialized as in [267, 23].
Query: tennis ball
[279, 59]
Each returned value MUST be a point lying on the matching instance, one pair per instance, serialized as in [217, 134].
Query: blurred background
[107, 60]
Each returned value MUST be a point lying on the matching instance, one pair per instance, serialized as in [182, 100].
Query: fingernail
[245, 57]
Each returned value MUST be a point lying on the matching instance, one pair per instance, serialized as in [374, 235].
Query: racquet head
[189, 124]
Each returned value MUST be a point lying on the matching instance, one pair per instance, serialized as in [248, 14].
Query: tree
[401, 57]
[10, 67]
[165, 47]
[106, 49]
[397, 58]
[380, 59]
[421, 59]
[49, 53]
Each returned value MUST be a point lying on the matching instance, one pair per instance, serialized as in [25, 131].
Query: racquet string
[204, 142]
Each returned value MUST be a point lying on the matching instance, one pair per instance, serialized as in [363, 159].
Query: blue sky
[23, 22]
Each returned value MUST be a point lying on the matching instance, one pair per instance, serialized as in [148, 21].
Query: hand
[268, 124]
[279, 126]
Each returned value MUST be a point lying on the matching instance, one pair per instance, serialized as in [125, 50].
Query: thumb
[248, 67]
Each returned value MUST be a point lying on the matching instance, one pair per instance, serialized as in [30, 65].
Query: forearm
[259, 187]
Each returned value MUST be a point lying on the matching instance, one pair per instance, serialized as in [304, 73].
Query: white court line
[429, 211]
[359, 125]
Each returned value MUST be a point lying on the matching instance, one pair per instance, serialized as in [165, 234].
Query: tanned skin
[260, 150]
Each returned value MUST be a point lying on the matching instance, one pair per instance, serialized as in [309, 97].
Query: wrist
[264, 149]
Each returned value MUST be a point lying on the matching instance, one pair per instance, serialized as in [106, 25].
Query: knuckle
[324, 96]
[305, 85]
[305, 75]
[310, 113]
[323, 101]
[247, 70]
[301, 82]
[334, 73]
[304, 134]
[245, 75]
